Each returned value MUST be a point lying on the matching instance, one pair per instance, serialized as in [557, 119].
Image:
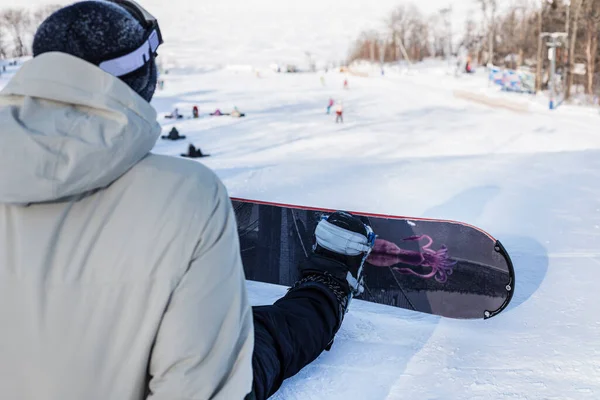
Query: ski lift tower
[556, 40]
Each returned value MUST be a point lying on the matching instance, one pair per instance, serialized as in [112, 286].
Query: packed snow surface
[410, 146]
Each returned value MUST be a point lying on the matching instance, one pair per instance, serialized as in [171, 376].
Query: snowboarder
[121, 269]
[339, 113]
[173, 135]
[331, 103]
[194, 152]
[195, 112]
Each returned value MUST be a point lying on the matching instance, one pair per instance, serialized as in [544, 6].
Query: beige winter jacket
[119, 270]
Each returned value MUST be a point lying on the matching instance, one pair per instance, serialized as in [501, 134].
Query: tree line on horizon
[507, 37]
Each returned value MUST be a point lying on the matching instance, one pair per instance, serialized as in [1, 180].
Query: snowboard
[445, 268]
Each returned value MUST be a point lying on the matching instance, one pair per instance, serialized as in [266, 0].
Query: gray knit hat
[97, 31]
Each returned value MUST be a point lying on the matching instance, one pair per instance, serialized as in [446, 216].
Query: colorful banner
[512, 80]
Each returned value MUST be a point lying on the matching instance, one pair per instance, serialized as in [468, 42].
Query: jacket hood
[66, 128]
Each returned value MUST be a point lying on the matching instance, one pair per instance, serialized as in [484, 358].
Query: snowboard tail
[439, 267]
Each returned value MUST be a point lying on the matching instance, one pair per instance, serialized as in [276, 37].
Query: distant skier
[346, 84]
[339, 113]
[331, 103]
[121, 269]
[195, 112]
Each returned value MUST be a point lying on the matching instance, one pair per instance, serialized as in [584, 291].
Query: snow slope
[410, 147]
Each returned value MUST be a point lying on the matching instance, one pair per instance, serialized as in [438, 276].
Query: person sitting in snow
[236, 113]
[173, 135]
[194, 152]
[174, 115]
[121, 269]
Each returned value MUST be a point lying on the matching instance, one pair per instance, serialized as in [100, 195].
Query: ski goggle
[139, 57]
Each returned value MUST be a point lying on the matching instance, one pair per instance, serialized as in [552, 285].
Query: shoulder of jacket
[185, 181]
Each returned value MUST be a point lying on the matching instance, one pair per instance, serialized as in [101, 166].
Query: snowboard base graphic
[445, 268]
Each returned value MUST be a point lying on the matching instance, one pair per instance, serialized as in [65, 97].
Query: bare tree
[488, 9]
[365, 47]
[575, 8]
[412, 30]
[42, 13]
[592, 23]
[398, 25]
[438, 35]
[540, 49]
[18, 23]
[472, 40]
[406, 36]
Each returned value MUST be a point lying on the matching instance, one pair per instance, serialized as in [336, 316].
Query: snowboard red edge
[366, 214]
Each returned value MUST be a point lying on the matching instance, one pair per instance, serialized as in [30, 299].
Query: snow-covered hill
[410, 147]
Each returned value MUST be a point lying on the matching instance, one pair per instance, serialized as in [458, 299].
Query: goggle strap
[133, 61]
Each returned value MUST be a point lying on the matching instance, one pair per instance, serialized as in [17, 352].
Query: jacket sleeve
[204, 345]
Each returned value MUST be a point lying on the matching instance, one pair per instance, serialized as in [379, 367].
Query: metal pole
[552, 72]
[553, 44]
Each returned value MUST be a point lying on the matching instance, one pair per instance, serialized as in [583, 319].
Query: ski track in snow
[410, 147]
